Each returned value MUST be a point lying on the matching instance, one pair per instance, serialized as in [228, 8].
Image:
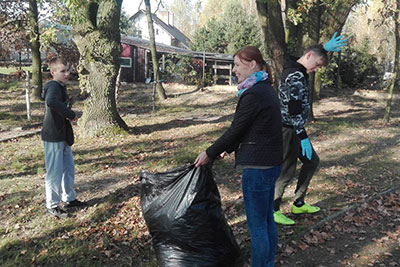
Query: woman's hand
[74, 120]
[202, 159]
[222, 155]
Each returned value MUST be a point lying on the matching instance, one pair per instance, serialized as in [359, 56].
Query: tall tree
[126, 26]
[271, 22]
[159, 88]
[333, 17]
[97, 36]
[197, 7]
[388, 12]
[35, 49]
[13, 34]
[210, 11]
[232, 30]
[300, 24]
[19, 27]
[210, 38]
[183, 16]
[241, 28]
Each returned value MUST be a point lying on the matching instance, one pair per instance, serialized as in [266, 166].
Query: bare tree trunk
[118, 85]
[338, 80]
[294, 33]
[280, 37]
[27, 96]
[159, 88]
[334, 18]
[35, 48]
[315, 33]
[386, 117]
[99, 42]
[317, 86]
[270, 18]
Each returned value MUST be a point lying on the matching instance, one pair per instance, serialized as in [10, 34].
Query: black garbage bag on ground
[182, 210]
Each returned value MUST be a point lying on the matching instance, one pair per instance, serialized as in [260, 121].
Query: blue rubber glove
[335, 44]
[306, 148]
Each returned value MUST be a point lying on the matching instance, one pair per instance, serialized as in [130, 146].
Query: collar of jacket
[291, 63]
[250, 89]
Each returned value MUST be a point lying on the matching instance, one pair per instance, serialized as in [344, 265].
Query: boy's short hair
[319, 51]
[57, 60]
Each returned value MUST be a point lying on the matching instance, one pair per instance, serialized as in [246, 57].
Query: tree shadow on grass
[13, 203]
[140, 102]
[17, 175]
[184, 93]
[177, 123]
[105, 184]
[135, 152]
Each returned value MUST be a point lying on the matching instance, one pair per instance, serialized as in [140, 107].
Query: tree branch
[92, 13]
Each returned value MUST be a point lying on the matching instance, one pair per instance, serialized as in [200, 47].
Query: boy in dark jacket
[60, 168]
[294, 95]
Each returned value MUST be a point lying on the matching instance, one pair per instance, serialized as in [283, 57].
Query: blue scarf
[251, 80]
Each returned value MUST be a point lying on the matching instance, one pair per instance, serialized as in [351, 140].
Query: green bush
[357, 65]
[187, 70]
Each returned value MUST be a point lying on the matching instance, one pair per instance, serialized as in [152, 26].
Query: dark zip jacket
[57, 109]
[294, 95]
[256, 130]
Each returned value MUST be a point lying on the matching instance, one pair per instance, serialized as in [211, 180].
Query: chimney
[164, 16]
[171, 19]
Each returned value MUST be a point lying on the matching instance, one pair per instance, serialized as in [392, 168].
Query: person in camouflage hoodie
[294, 95]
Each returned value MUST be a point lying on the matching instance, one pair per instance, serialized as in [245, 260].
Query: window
[139, 33]
[126, 62]
[156, 31]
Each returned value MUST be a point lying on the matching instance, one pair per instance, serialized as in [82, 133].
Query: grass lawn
[359, 159]
[8, 70]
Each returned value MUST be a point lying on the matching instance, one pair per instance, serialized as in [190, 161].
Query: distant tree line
[234, 29]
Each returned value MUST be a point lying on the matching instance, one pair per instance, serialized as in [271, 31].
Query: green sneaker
[282, 219]
[306, 208]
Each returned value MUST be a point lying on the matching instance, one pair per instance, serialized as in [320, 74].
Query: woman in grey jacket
[256, 137]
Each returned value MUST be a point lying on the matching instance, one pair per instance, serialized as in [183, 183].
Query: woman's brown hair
[249, 53]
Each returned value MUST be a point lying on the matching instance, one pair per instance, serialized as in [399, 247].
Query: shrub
[356, 66]
[187, 70]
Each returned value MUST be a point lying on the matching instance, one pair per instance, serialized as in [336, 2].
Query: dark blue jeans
[258, 187]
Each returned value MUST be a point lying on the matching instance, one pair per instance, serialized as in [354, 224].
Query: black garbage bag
[182, 210]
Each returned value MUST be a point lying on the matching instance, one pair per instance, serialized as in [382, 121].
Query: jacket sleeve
[243, 118]
[53, 99]
[295, 102]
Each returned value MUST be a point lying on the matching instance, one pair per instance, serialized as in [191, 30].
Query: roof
[172, 30]
[163, 48]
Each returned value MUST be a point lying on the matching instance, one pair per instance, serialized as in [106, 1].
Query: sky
[132, 6]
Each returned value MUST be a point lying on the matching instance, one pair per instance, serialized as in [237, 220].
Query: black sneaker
[73, 204]
[57, 212]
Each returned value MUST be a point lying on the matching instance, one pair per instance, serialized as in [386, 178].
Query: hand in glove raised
[335, 44]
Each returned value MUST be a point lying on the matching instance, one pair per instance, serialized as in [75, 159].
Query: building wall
[160, 34]
[137, 72]
[141, 70]
[128, 74]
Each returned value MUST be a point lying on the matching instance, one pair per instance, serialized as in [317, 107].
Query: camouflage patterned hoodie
[294, 96]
